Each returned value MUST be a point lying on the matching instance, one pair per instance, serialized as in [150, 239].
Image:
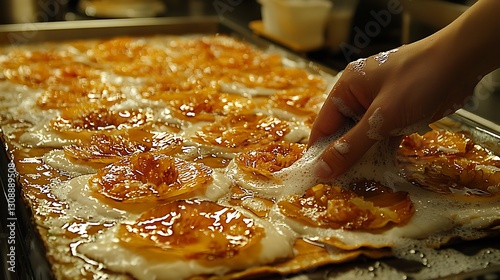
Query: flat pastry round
[92, 117]
[299, 101]
[150, 177]
[265, 162]
[192, 229]
[365, 206]
[46, 69]
[111, 147]
[449, 162]
[239, 132]
[204, 105]
[82, 92]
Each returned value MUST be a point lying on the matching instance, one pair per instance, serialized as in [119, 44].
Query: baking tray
[31, 262]
[30, 258]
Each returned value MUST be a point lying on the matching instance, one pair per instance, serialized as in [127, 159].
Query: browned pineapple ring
[366, 206]
[193, 229]
[150, 177]
[238, 132]
[110, 147]
[270, 159]
[97, 117]
[450, 162]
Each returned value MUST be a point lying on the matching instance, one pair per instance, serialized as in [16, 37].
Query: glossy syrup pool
[59, 232]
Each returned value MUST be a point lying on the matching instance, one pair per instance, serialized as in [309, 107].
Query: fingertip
[313, 138]
[343, 153]
[322, 170]
[331, 163]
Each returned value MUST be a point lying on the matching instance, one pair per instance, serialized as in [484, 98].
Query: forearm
[420, 83]
[471, 44]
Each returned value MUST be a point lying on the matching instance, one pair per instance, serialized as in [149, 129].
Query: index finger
[340, 107]
[329, 119]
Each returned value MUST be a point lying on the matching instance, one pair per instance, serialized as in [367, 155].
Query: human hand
[387, 95]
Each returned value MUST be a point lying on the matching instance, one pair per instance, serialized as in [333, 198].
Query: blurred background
[374, 25]
[332, 34]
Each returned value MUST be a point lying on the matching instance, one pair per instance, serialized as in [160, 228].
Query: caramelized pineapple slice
[204, 105]
[150, 177]
[299, 101]
[97, 117]
[108, 148]
[192, 229]
[366, 206]
[239, 132]
[449, 162]
[266, 161]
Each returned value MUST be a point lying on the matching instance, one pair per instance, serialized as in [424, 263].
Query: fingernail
[323, 170]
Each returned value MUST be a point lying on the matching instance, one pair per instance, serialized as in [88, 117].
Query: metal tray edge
[15, 34]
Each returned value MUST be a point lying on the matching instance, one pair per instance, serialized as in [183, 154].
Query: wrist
[471, 42]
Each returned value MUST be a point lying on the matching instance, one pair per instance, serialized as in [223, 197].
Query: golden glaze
[447, 162]
[264, 162]
[239, 132]
[150, 177]
[192, 229]
[365, 206]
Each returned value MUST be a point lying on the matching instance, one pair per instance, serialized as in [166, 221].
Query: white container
[301, 22]
[339, 23]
